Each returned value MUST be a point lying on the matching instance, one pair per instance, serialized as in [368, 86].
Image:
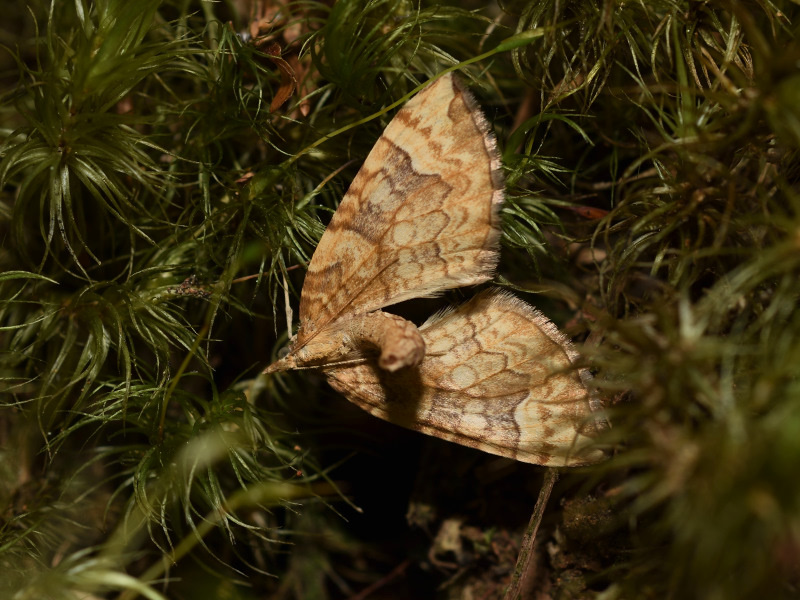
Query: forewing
[497, 376]
[421, 215]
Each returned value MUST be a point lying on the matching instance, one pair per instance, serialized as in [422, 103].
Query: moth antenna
[329, 365]
[287, 305]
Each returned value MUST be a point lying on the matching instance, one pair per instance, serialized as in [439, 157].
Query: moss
[163, 178]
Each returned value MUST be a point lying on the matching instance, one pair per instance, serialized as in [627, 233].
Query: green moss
[651, 154]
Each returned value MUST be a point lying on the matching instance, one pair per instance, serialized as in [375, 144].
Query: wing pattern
[420, 217]
[497, 376]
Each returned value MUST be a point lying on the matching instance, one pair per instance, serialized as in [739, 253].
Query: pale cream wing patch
[497, 376]
[421, 216]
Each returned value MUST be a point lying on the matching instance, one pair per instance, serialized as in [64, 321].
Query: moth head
[287, 359]
[282, 364]
[292, 357]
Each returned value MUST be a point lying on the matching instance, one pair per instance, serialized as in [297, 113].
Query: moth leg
[400, 341]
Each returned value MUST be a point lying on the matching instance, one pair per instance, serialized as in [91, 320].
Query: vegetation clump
[166, 170]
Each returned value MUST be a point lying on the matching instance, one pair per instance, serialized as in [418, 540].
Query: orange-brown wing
[421, 215]
[497, 376]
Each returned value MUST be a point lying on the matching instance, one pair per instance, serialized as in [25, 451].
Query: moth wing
[421, 216]
[497, 376]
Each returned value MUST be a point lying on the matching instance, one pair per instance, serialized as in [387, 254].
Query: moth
[421, 217]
